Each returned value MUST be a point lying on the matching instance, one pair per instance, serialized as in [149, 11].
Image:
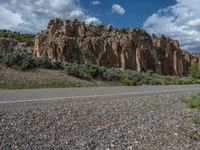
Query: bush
[157, 82]
[43, 62]
[123, 30]
[16, 35]
[193, 102]
[74, 70]
[194, 71]
[154, 36]
[29, 43]
[57, 66]
[196, 120]
[112, 74]
[91, 70]
[135, 76]
[25, 60]
[126, 79]
[18, 58]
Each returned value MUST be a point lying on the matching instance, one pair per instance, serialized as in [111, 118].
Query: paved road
[14, 96]
[106, 118]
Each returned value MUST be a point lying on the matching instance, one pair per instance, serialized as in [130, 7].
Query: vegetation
[30, 85]
[194, 71]
[194, 135]
[154, 36]
[193, 102]
[123, 30]
[17, 36]
[196, 120]
[126, 77]
[24, 61]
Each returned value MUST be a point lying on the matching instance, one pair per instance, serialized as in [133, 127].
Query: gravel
[131, 122]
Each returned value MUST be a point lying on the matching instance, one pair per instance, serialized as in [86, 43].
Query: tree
[154, 36]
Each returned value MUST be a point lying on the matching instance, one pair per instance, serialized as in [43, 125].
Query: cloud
[93, 20]
[8, 18]
[33, 15]
[180, 21]
[95, 2]
[118, 9]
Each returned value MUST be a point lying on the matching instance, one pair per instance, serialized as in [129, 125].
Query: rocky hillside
[77, 42]
[10, 41]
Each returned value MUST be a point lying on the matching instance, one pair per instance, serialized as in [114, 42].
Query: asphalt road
[102, 118]
[14, 96]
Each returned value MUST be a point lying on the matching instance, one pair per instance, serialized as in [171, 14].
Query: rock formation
[7, 45]
[77, 42]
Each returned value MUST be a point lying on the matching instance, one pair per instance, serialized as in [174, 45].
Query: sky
[178, 19]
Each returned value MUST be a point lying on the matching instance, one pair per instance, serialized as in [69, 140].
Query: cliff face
[76, 42]
[7, 45]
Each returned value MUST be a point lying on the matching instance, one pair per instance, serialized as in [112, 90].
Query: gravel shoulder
[132, 122]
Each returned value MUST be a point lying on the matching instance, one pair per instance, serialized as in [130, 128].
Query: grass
[193, 102]
[196, 120]
[13, 85]
[36, 85]
[186, 110]
[194, 136]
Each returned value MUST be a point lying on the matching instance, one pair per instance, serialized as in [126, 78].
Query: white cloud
[181, 21]
[118, 9]
[93, 20]
[95, 2]
[33, 15]
[8, 18]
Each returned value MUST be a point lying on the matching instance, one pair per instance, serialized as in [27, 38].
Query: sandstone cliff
[77, 42]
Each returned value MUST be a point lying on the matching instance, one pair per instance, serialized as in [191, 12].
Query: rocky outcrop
[7, 45]
[195, 58]
[77, 42]
[172, 60]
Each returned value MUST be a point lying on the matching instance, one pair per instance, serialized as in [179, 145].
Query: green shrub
[25, 60]
[85, 71]
[194, 101]
[91, 70]
[57, 66]
[123, 30]
[43, 62]
[16, 35]
[154, 36]
[196, 120]
[194, 71]
[157, 82]
[74, 70]
[135, 76]
[126, 79]
[112, 74]
[21, 59]
[29, 43]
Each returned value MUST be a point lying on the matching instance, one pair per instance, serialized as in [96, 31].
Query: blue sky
[178, 19]
[137, 11]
